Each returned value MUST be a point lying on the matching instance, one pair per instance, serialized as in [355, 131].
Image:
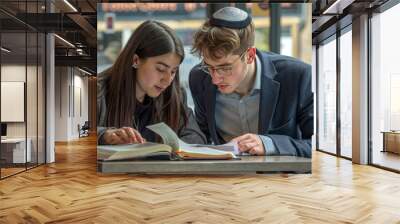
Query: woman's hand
[123, 135]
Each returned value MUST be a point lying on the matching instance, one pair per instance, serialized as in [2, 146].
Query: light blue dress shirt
[237, 115]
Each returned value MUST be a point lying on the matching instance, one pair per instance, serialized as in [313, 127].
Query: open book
[173, 148]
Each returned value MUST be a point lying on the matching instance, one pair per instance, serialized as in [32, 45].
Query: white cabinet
[15, 148]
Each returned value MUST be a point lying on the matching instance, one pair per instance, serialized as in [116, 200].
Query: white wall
[61, 103]
[81, 81]
[33, 126]
[71, 93]
[12, 100]
[13, 73]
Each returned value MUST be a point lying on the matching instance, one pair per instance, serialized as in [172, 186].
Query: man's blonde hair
[217, 42]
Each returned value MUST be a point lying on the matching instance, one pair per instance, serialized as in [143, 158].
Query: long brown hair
[150, 39]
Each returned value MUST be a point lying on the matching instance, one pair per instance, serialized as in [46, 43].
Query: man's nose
[216, 79]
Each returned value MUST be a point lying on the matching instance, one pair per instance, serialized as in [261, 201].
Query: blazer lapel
[269, 94]
[211, 92]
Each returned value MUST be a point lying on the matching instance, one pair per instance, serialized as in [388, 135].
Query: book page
[167, 134]
[228, 147]
[170, 138]
[131, 151]
[207, 150]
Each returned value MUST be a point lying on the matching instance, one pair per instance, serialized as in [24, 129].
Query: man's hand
[250, 143]
[123, 135]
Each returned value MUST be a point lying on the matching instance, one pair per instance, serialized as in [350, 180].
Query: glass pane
[31, 97]
[22, 67]
[41, 99]
[386, 89]
[13, 86]
[346, 94]
[327, 97]
[32, 85]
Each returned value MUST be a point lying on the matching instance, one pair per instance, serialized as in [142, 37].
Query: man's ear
[251, 55]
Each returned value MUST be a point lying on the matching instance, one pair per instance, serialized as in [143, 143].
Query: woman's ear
[135, 61]
[251, 55]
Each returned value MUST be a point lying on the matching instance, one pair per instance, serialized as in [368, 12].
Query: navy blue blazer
[286, 112]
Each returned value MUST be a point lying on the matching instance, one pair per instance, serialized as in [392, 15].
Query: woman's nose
[167, 78]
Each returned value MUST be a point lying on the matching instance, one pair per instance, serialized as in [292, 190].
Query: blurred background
[283, 28]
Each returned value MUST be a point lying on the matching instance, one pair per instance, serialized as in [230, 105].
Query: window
[327, 96]
[346, 93]
[22, 73]
[385, 84]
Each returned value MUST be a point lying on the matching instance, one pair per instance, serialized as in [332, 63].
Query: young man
[261, 100]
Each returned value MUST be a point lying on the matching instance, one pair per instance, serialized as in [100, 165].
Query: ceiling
[72, 20]
[329, 16]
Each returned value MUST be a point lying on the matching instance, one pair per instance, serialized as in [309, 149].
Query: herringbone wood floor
[70, 191]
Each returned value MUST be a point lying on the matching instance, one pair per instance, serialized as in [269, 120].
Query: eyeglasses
[223, 71]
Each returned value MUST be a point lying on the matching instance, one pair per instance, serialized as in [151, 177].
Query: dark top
[142, 117]
[286, 112]
[189, 133]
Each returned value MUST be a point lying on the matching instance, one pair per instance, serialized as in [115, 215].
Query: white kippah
[230, 17]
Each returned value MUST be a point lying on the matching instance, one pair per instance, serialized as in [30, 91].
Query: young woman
[142, 88]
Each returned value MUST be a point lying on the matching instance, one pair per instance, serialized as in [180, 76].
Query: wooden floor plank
[71, 191]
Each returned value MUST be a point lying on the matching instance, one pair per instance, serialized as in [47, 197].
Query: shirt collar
[257, 81]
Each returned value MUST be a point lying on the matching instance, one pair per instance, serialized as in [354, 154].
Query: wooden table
[246, 164]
